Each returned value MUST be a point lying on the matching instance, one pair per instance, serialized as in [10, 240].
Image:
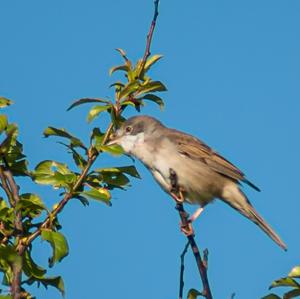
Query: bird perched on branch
[202, 174]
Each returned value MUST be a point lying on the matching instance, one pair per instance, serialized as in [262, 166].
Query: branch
[92, 157]
[147, 52]
[181, 279]
[12, 190]
[201, 263]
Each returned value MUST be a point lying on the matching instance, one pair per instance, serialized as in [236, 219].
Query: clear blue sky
[232, 69]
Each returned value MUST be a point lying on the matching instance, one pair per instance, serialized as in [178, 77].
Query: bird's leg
[197, 213]
[177, 194]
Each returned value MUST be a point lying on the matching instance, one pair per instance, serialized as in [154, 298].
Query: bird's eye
[128, 129]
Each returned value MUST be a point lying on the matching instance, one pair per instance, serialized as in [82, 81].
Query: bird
[202, 174]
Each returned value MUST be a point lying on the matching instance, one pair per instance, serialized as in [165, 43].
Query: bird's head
[134, 131]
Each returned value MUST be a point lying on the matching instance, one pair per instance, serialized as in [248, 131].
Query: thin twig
[201, 264]
[181, 277]
[149, 38]
[63, 202]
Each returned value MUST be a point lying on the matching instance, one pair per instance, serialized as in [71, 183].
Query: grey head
[134, 131]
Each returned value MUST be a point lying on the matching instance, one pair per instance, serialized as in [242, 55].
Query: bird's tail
[238, 200]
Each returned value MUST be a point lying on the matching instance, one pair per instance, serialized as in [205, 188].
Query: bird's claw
[187, 228]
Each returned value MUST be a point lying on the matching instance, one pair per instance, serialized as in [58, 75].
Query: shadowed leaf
[87, 100]
[3, 123]
[154, 99]
[271, 296]
[193, 294]
[30, 268]
[51, 131]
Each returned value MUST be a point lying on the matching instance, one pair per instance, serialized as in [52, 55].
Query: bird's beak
[114, 139]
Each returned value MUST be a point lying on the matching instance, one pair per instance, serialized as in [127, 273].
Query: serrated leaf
[54, 173]
[51, 131]
[151, 86]
[3, 123]
[193, 294]
[58, 243]
[118, 68]
[295, 272]
[87, 100]
[4, 102]
[30, 268]
[154, 99]
[95, 111]
[284, 282]
[101, 194]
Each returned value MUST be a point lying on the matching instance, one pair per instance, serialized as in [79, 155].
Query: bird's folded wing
[195, 149]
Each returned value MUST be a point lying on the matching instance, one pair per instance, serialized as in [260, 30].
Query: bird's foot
[187, 228]
[178, 197]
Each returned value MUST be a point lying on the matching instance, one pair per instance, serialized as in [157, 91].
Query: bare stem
[149, 37]
[181, 277]
[184, 216]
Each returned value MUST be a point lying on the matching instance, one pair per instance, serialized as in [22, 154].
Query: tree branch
[149, 38]
[181, 276]
[11, 188]
[184, 216]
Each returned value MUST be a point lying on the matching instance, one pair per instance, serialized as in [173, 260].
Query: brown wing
[197, 150]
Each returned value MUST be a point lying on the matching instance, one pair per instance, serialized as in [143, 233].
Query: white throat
[130, 142]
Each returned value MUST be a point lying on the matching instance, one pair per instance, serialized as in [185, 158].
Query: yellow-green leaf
[96, 110]
[295, 272]
[4, 102]
[58, 243]
[101, 194]
[3, 123]
[87, 100]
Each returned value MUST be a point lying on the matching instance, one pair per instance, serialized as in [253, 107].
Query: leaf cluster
[291, 281]
[25, 217]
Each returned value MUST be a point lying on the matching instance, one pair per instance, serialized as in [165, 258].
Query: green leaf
[193, 294]
[4, 102]
[114, 149]
[31, 204]
[11, 138]
[151, 60]
[3, 123]
[129, 89]
[118, 68]
[101, 194]
[292, 294]
[5, 297]
[87, 100]
[96, 110]
[97, 138]
[19, 168]
[131, 170]
[75, 142]
[295, 272]
[58, 243]
[154, 99]
[54, 173]
[151, 86]
[271, 296]
[55, 281]
[284, 282]
[30, 268]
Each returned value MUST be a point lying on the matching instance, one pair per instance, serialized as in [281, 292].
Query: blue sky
[232, 69]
